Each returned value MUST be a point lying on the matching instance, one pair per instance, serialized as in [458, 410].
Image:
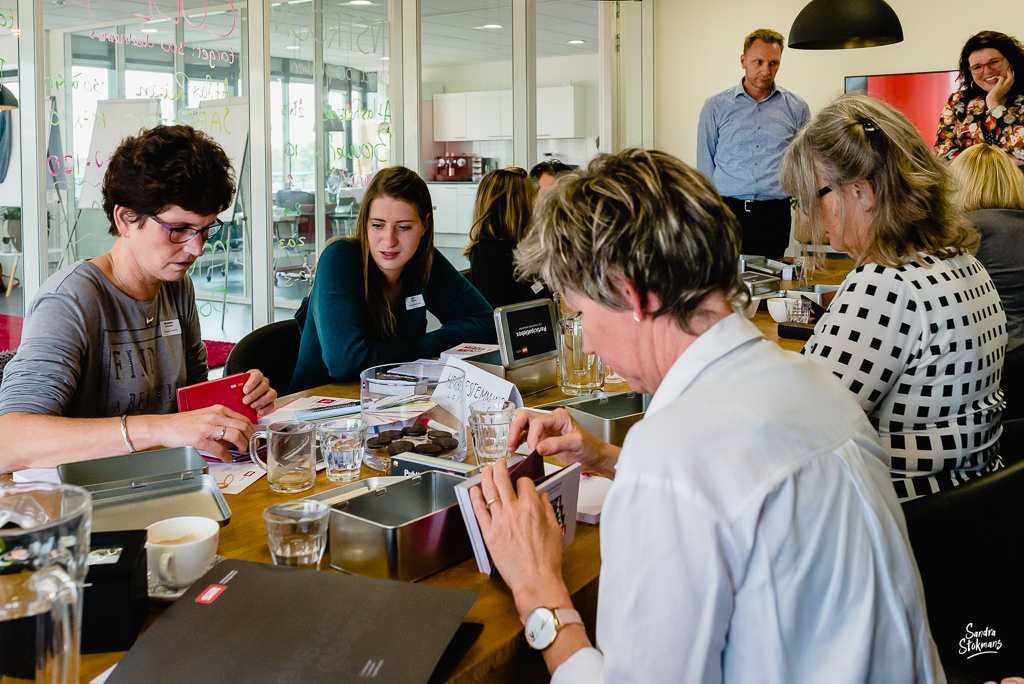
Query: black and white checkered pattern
[922, 348]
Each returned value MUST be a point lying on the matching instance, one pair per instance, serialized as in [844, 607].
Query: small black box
[116, 595]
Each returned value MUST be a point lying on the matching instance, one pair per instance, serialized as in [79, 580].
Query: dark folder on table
[253, 622]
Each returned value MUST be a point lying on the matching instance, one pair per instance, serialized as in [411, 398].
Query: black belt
[751, 206]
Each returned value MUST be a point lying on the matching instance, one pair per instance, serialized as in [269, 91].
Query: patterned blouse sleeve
[869, 334]
[947, 142]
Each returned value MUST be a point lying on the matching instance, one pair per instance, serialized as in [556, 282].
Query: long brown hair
[503, 208]
[399, 183]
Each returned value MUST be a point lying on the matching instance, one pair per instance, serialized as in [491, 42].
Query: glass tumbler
[341, 443]
[489, 422]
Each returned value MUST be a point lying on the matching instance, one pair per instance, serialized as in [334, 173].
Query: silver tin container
[605, 415]
[397, 528]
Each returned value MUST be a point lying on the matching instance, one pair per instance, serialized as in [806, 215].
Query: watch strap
[567, 616]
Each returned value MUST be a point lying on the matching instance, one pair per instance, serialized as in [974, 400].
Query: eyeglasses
[993, 64]
[182, 234]
[824, 191]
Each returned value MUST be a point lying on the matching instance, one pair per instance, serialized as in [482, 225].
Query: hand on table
[258, 393]
[1010, 680]
[523, 537]
[214, 429]
[557, 435]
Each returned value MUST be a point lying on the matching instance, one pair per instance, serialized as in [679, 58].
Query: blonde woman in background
[991, 192]
[501, 218]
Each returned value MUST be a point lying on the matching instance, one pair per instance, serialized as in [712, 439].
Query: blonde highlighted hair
[503, 208]
[986, 179]
[858, 138]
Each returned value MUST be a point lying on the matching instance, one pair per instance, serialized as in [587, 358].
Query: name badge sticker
[169, 328]
[537, 287]
[414, 302]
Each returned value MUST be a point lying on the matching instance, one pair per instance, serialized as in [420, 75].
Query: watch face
[541, 628]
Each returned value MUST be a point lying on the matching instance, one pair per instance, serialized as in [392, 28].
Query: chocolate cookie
[427, 449]
[414, 430]
[400, 447]
[447, 443]
[378, 442]
[438, 434]
[392, 435]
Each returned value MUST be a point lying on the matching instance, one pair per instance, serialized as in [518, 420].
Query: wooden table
[500, 652]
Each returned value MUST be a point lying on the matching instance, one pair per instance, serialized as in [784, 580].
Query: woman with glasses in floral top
[107, 341]
[990, 103]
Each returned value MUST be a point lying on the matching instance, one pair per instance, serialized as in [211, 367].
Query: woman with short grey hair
[738, 501]
[916, 331]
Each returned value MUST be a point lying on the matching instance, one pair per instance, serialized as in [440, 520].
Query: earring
[636, 317]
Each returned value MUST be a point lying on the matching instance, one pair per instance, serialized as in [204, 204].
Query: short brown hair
[765, 36]
[504, 205]
[858, 138]
[168, 166]
[986, 179]
[643, 215]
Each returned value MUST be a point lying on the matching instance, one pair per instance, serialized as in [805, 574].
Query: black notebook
[253, 622]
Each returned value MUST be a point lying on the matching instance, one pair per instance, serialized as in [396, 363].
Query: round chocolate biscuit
[447, 443]
[427, 449]
[414, 430]
[378, 442]
[438, 434]
[400, 447]
[392, 435]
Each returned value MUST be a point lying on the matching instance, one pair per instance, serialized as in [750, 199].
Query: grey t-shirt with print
[90, 351]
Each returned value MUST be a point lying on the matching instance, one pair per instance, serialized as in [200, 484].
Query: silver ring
[222, 431]
[488, 503]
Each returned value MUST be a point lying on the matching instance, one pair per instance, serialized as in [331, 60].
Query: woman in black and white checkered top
[917, 330]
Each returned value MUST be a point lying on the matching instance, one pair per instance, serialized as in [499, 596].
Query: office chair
[273, 349]
[966, 541]
[1012, 384]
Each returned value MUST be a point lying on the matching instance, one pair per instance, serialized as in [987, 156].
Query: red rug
[10, 331]
[217, 352]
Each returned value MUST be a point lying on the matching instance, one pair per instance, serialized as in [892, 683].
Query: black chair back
[273, 349]
[1012, 384]
[966, 541]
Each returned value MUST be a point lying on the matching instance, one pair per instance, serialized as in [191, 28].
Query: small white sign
[414, 302]
[169, 328]
[479, 385]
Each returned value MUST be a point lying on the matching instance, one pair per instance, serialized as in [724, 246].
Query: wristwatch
[543, 624]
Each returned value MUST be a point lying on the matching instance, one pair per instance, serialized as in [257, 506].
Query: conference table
[498, 652]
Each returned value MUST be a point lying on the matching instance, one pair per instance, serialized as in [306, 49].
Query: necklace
[124, 286]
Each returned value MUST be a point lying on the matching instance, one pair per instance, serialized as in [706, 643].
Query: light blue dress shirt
[740, 141]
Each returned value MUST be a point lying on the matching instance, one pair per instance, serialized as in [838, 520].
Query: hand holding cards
[227, 391]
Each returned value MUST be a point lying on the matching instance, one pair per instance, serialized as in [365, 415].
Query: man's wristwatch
[543, 624]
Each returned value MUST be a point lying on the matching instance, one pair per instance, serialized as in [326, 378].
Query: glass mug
[291, 455]
[44, 547]
[578, 372]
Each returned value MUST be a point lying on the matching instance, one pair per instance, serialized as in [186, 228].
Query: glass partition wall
[114, 68]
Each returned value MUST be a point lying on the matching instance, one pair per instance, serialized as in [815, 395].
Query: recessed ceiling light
[292, 47]
[385, 58]
[575, 42]
[357, 2]
[151, 30]
[488, 26]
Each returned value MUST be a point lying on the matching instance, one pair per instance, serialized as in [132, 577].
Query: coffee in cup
[180, 550]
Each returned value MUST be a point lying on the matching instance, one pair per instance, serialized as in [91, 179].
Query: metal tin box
[819, 294]
[607, 416]
[133, 491]
[397, 528]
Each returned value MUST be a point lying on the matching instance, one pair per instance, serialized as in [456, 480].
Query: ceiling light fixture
[841, 24]
[357, 2]
[7, 99]
[575, 42]
[292, 47]
[488, 26]
[150, 31]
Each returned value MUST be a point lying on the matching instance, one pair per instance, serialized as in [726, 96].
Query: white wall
[698, 44]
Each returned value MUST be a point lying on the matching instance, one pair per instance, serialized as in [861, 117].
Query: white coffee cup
[180, 550]
[778, 308]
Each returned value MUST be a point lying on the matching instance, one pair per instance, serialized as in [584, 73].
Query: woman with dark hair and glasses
[107, 341]
[917, 330]
[990, 103]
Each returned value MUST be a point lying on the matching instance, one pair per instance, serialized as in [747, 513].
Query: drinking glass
[578, 372]
[489, 423]
[297, 532]
[341, 443]
[291, 455]
[798, 310]
[44, 547]
[420, 403]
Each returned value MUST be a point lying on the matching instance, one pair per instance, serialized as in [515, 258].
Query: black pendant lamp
[841, 24]
[7, 99]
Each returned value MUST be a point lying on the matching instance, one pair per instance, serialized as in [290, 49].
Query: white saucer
[161, 592]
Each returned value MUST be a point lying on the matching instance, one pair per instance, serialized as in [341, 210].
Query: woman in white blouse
[917, 330]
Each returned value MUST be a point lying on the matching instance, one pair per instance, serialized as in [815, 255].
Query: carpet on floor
[10, 331]
[217, 352]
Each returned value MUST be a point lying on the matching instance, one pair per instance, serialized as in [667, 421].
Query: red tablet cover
[226, 391]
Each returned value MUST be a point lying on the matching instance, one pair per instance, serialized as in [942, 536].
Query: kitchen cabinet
[484, 115]
[453, 206]
[450, 117]
[561, 112]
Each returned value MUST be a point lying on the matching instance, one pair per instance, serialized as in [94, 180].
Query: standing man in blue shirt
[742, 134]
